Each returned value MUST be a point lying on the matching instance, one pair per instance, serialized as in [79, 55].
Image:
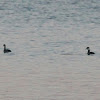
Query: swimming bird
[6, 50]
[89, 53]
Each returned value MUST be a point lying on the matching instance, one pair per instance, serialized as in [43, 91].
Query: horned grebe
[6, 50]
[89, 53]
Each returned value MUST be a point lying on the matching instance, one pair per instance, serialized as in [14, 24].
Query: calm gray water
[48, 39]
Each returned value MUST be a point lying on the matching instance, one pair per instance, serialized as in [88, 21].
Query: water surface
[48, 39]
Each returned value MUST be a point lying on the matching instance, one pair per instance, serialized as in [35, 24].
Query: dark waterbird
[6, 50]
[89, 53]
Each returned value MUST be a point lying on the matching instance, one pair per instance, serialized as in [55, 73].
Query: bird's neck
[88, 51]
[4, 47]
